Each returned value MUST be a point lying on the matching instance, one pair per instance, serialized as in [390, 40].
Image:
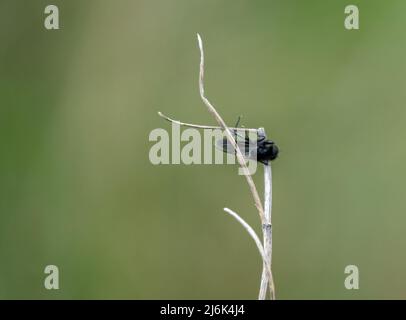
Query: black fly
[261, 150]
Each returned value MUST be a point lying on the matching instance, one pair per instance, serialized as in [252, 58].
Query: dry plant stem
[267, 233]
[265, 215]
[266, 255]
[229, 135]
[199, 126]
[267, 267]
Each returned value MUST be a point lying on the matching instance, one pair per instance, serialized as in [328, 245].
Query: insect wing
[247, 147]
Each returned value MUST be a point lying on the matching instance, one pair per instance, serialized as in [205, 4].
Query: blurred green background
[77, 189]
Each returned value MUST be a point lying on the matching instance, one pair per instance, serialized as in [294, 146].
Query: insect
[261, 150]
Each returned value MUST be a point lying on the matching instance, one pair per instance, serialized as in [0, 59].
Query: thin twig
[241, 160]
[229, 135]
[267, 229]
[265, 215]
[250, 231]
[199, 126]
[261, 250]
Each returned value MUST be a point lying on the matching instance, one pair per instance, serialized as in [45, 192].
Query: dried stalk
[265, 250]
[267, 278]
[229, 135]
[199, 126]
[267, 266]
[267, 232]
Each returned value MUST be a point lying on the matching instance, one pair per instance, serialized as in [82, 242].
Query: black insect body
[267, 150]
[262, 150]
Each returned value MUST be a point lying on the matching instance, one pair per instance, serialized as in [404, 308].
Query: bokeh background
[77, 189]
